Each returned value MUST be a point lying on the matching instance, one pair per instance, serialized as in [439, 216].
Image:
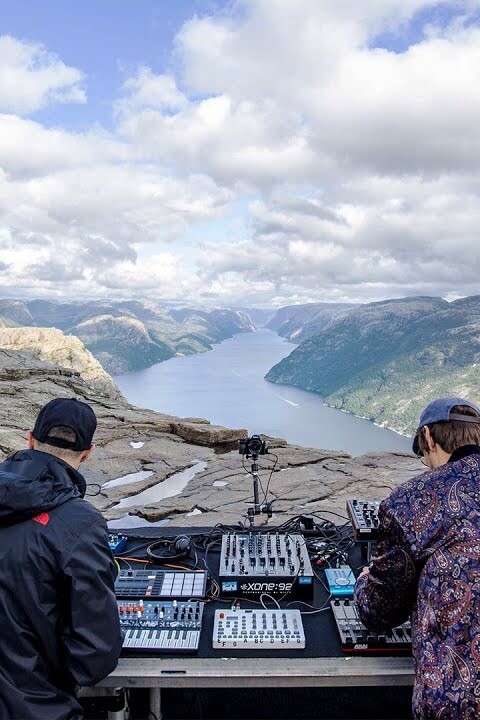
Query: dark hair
[452, 434]
[62, 433]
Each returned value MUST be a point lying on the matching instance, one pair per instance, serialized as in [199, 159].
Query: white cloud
[147, 90]
[352, 168]
[158, 275]
[31, 77]
[27, 148]
[92, 221]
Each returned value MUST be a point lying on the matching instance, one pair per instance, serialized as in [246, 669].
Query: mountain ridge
[129, 335]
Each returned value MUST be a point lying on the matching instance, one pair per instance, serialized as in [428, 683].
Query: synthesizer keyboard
[168, 626]
[363, 515]
[155, 584]
[258, 630]
[355, 637]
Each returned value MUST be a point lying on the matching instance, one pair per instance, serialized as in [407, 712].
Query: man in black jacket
[59, 620]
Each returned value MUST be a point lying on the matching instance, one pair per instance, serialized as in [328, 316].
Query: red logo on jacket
[43, 518]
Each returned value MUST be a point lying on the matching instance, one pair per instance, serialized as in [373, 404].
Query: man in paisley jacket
[427, 563]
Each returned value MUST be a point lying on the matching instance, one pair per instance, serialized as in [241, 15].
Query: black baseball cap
[67, 412]
[440, 410]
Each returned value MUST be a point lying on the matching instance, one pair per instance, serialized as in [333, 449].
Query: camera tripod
[257, 508]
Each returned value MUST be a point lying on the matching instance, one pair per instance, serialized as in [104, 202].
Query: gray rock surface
[131, 439]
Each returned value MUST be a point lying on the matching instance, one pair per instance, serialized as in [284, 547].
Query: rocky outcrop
[66, 351]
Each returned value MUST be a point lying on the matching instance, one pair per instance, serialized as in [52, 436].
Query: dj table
[321, 664]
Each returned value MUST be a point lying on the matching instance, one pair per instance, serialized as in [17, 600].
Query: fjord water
[227, 386]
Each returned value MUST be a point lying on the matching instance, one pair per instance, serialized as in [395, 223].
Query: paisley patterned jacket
[428, 566]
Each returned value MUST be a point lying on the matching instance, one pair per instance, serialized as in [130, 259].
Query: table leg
[155, 704]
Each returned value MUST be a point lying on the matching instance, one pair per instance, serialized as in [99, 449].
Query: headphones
[168, 550]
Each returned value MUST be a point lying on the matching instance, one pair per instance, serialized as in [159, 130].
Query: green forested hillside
[386, 360]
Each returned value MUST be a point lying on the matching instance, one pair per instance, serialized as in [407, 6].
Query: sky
[250, 153]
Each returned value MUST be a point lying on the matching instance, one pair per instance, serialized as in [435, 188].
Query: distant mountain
[260, 317]
[15, 312]
[387, 360]
[122, 343]
[299, 322]
[129, 335]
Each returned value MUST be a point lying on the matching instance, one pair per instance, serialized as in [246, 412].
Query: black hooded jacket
[59, 624]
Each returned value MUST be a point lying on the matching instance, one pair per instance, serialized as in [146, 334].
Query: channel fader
[272, 563]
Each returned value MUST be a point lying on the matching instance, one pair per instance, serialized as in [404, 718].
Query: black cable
[250, 472]
[92, 485]
[270, 477]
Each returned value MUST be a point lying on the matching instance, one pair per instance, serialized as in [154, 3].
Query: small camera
[252, 446]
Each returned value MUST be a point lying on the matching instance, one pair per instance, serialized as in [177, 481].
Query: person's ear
[30, 440]
[429, 440]
[87, 453]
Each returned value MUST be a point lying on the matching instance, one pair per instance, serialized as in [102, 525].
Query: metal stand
[113, 700]
[257, 508]
[155, 704]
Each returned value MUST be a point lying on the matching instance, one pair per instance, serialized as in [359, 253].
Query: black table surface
[321, 634]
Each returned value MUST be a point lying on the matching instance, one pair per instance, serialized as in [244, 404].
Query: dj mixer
[255, 563]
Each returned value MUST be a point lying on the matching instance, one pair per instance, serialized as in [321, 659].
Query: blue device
[117, 542]
[341, 581]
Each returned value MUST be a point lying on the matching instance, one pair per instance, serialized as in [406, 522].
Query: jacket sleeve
[92, 637]
[385, 597]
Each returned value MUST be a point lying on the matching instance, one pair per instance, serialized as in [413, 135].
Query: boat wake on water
[288, 401]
